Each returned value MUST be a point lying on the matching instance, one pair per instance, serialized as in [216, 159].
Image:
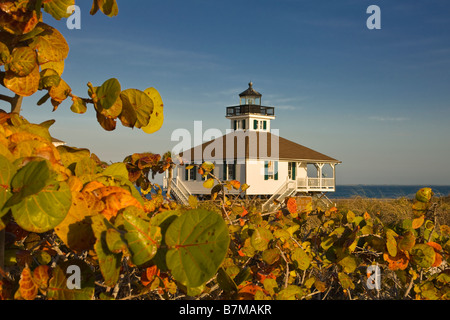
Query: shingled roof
[247, 145]
[250, 91]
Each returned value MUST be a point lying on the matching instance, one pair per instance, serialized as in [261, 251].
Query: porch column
[319, 167]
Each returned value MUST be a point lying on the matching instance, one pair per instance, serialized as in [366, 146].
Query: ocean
[383, 191]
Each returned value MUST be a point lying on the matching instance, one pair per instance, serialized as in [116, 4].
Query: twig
[286, 278]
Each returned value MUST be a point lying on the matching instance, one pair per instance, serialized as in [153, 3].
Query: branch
[6, 98]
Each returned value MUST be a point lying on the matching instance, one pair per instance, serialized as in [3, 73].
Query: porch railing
[315, 183]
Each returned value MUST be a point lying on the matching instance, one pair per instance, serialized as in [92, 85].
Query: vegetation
[75, 227]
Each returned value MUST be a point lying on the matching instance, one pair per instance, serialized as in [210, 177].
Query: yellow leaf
[23, 86]
[209, 183]
[157, 116]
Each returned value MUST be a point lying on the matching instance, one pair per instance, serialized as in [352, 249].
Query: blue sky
[378, 100]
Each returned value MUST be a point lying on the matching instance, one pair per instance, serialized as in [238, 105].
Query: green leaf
[198, 242]
[301, 258]
[348, 263]
[193, 201]
[424, 195]
[43, 211]
[78, 105]
[270, 256]
[7, 171]
[291, 292]
[118, 169]
[225, 282]
[407, 241]
[108, 261]
[23, 61]
[346, 281]
[29, 180]
[260, 238]
[391, 243]
[423, 255]
[4, 53]
[137, 108]
[108, 93]
[142, 238]
[58, 8]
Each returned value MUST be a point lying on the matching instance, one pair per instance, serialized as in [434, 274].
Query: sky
[376, 99]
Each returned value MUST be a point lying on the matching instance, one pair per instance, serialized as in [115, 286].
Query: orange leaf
[438, 257]
[292, 205]
[116, 201]
[236, 184]
[399, 262]
[248, 292]
[93, 185]
[417, 222]
[41, 276]
[27, 288]
[149, 274]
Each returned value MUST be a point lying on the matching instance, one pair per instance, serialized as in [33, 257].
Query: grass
[393, 210]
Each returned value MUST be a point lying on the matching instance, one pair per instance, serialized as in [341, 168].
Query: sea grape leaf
[23, 86]
[29, 180]
[424, 195]
[198, 242]
[260, 238]
[75, 230]
[108, 7]
[142, 238]
[58, 288]
[423, 255]
[7, 171]
[43, 211]
[208, 183]
[51, 45]
[4, 53]
[109, 261]
[391, 243]
[346, 281]
[291, 292]
[27, 288]
[78, 105]
[157, 117]
[270, 256]
[18, 20]
[225, 282]
[348, 263]
[23, 61]
[301, 258]
[58, 8]
[137, 108]
[407, 241]
[108, 93]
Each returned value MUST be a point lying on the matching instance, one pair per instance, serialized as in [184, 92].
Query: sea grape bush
[131, 247]
[62, 206]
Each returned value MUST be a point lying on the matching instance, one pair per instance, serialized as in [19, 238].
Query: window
[270, 170]
[255, 124]
[229, 171]
[292, 166]
[189, 174]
